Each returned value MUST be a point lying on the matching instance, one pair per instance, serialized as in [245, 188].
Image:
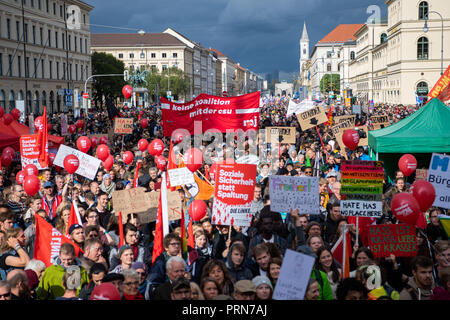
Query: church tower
[304, 47]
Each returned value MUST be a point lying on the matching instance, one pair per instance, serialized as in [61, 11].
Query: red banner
[396, 239]
[220, 113]
[48, 242]
[441, 88]
[234, 192]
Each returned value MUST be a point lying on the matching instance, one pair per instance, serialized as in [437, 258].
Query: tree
[179, 83]
[103, 63]
[326, 86]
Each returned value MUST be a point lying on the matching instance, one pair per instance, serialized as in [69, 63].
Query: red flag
[329, 117]
[121, 237]
[171, 165]
[338, 253]
[183, 235]
[191, 240]
[43, 141]
[74, 217]
[207, 173]
[135, 183]
[363, 226]
[158, 242]
[48, 242]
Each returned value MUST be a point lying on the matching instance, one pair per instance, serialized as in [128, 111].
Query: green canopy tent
[422, 133]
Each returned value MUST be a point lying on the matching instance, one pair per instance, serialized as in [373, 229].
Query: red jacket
[45, 205]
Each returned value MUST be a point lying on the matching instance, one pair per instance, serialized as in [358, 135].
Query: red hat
[105, 291]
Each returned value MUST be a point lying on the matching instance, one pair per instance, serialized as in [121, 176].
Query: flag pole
[357, 230]
[344, 240]
[164, 207]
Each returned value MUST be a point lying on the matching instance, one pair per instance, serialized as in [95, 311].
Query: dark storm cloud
[262, 35]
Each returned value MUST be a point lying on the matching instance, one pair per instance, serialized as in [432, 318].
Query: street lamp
[425, 29]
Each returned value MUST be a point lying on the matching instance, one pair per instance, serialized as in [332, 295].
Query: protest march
[226, 198]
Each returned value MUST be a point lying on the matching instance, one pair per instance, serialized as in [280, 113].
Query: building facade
[44, 54]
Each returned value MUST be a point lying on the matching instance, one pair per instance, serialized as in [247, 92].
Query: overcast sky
[262, 35]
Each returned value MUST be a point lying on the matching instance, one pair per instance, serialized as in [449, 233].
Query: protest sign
[294, 276]
[123, 125]
[361, 188]
[300, 193]
[180, 176]
[312, 117]
[380, 122]
[356, 109]
[421, 174]
[219, 113]
[173, 204]
[439, 177]
[233, 195]
[351, 117]
[397, 239]
[29, 150]
[88, 164]
[295, 108]
[287, 133]
[337, 132]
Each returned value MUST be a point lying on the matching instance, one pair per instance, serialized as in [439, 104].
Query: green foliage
[180, 83]
[103, 63]
[326, 86]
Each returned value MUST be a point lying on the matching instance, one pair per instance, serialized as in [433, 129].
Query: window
[70, 71]
[56, 39]
[76, 71]
[63, 37]
[423, 10]
[46, 5]
[352, 55]
[27, 67]
[81, 45]
[69, 43]
[164, 55]
[85, 46]
[120, 55]
[84, 18]
[49, 35]
[175, 55]
[81, 69]
[42, 70]
[75, 43]
[142, 55]
[34, 34]
[329, 67]
[35, 68]
[18, 30]
[50, 68]
[131, 55]
[32, 3]
[54, 8]
[383, 38]
[19, 65]
[64, 71]
[41, 36]
[164, 67]
[57, 70]
[422, 48]
[39, 5]
[8, 28]
[61, 11]
[26, 32]
[153, 55]
[422, 88]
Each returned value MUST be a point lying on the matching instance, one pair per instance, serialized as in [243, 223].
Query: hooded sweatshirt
[50, 287]
[240, 272]
[417, 293]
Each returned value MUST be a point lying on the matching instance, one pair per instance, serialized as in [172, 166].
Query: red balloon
[20, 176]
[2, 112]
[51, 158]
[143, 144]
[407, 164]
[94, 142]
[31, 184]
[71, 163]
[10, 151]
[6, 159]
[15, 113]
[161, 162]
[156, 147]
[38, 123]
[127, 91]
[102, 152]
[83, 144]
[194, 159]
[7, 119]
[144, 123]
[108, 163]
[141, 113]
[177, 136]
[31, 170]
[424, 193]
[128, 157]
[103, 140]
[405, 208]
[197, 210]
[72, 128]
[79, 124]
[350, 139]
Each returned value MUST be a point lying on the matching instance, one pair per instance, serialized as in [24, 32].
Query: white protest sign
[88, 164]
[300, 193]
[180, 176]
[294, 108]
[439, 177]
[294, 276]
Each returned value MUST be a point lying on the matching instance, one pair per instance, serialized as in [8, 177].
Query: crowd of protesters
[226, 263]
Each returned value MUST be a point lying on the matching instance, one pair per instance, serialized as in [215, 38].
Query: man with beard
[420, 286]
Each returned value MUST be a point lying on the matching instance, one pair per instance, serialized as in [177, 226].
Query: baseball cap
[243, 286]
[48, 184]
[74, 226]
[332, 173]
[180, 282]
[105, 291]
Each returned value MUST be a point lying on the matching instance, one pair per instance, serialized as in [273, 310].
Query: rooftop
[342, 33]
[133, 39]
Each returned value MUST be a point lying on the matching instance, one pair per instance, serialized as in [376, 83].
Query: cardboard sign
[287, 133]
[29, 150]
[397, 239]
[362, 188]
[174, 205]
[439, 177]
[294, 276]
[339, 119]
[233, 195]
[300, 193]
[421, 174]
[380, 122]
[312, 117]
[88, 164]
[180, 176]
[123, 125]
[362, 141]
